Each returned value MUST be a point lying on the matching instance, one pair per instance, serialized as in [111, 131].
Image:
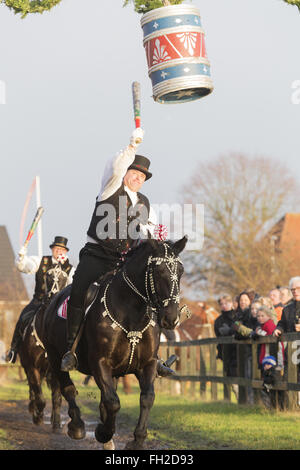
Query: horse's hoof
[134, 445]
[57, 429]
[37, 420]
[110, 445]
[76, 432]
[102, 435]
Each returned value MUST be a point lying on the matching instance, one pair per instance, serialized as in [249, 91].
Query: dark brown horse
[33, 358]
[121, 335]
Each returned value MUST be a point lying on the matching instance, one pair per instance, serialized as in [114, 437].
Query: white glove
[137, 137]
[22, 252]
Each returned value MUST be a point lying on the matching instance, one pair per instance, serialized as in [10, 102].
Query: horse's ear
[180, 245]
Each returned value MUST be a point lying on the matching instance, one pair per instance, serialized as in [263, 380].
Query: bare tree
[243, 198]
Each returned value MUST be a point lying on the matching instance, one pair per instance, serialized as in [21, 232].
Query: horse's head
[163, 272]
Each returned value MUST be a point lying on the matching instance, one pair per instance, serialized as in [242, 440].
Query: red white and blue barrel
[176, 54]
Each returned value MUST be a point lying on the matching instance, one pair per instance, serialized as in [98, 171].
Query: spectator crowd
[250, 316]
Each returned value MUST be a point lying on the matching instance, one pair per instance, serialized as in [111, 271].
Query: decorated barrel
[175, 49]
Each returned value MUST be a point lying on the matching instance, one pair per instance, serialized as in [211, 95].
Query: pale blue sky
[68, 76]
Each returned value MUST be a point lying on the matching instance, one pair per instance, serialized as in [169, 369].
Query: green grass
[4, 442]
[188, 423]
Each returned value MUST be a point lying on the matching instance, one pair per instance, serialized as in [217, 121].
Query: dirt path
[22, 434]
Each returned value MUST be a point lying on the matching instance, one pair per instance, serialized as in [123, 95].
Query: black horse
[121, 335]
[33, 358]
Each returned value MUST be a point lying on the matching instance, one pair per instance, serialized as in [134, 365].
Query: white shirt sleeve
[114, 172]
[70, 277]
[28, 264]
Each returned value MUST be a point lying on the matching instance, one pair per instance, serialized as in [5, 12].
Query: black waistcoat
[46, 276]
[115, 221]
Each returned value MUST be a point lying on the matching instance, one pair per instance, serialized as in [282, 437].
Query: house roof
[286, 235]
[286, 232]
[290, 233]
[12, 286]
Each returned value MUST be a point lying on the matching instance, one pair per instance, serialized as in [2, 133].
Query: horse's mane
[142, 246]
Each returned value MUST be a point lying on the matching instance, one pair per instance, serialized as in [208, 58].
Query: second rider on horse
[120, 213]
[52, 274]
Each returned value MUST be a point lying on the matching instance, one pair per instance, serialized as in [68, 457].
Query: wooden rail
[198, 364]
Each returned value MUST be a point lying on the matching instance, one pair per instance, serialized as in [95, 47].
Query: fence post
[183, 368]
[226, 387]
[193, 367]
[173, 385]
[213, 371]
[292, 377]
[202, 372]
[241, 361]
[255, 372]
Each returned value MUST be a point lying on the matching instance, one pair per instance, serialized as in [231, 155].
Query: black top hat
[142, 164]
[60, 241]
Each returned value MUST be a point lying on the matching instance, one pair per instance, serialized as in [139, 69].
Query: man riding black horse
[122, 215]
[52, 274]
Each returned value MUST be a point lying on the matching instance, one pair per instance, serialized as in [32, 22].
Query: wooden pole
[213, 371]
[226, 387]
[255, 372]
[241, 361]
[292, 378]
[39, 227]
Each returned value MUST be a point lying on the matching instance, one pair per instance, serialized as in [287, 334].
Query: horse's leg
[37, 401]
[56, 401]
[146, 379]
[31, 398]
[109, 404]
[76, 428]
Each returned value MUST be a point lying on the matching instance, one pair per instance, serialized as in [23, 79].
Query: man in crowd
[285, 295]
[290, 320]
[224, 327]
[274, 295]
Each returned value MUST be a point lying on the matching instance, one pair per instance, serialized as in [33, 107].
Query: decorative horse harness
[151, 299]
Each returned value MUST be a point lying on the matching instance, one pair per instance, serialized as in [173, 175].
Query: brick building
[286, 238]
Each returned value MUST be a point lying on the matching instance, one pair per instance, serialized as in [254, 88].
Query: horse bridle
[134, 337]
[151, 297]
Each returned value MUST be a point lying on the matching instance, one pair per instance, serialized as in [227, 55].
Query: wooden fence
[198, 364]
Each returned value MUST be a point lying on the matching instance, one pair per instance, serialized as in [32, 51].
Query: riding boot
[163, 368]
[74, 319]
[11, 355]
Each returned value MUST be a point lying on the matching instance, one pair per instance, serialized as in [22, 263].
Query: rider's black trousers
[91, 267]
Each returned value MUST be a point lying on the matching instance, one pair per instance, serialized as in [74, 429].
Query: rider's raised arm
[116, 167]
[28, 264]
